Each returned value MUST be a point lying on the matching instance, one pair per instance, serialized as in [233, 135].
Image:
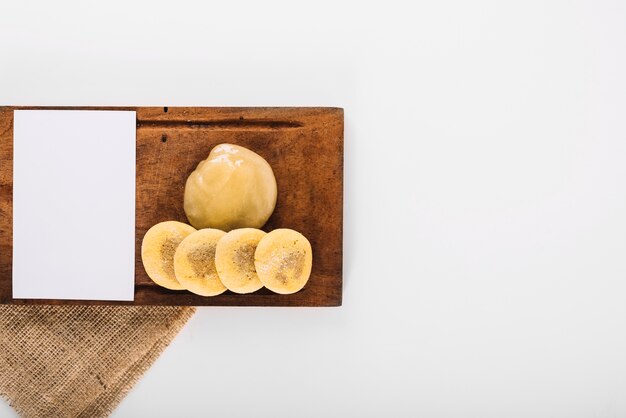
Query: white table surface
[485, 196]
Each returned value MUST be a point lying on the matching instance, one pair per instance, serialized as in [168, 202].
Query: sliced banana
[157, 252]
[283, 261]
[194, 263]
[234, 260]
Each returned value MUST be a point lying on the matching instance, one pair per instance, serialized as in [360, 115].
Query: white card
[74, 204]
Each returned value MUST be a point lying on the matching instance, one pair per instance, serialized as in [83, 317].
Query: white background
[485, 196]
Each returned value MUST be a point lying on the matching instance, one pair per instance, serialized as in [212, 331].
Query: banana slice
[283, 261]
[157, 252]
[194, 263]
[234, 260]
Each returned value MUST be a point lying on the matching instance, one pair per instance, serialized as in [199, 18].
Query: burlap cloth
[79, 361]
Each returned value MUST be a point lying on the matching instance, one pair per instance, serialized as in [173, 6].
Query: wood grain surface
[304, 146]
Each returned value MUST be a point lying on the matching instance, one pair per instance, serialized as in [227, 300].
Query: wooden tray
[304, 146]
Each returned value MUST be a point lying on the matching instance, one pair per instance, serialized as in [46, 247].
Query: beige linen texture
[79, 361]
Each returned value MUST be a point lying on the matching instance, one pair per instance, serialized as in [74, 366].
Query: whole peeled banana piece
[233, 188]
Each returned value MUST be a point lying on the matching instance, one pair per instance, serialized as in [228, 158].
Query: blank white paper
[74, 205]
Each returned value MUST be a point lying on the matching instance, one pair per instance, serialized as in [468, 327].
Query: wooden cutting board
[304, 146]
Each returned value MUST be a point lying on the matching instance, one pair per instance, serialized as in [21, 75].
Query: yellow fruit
[194, 263]
[157, 252]
[234, 260]
[233, 188]
[283, 261]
